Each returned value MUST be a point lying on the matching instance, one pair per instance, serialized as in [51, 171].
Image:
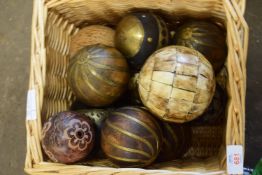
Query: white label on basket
[31, 105]
[235, 159]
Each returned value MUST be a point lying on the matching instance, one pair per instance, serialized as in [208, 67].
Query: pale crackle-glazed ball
[176, 84]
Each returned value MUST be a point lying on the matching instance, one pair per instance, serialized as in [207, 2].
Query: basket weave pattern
[54, 23]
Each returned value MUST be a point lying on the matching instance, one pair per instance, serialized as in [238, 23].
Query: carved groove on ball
[131, 137]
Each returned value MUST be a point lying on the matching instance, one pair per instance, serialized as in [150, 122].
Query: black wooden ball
[176, 141]
[138, 35]
[215, 113]
[205, 37]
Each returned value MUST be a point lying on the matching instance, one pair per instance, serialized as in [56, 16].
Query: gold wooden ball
[98, 75]
[176, 84]
[138, 35]
[94, 34]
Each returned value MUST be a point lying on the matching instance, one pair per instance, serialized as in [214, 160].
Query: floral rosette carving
[68, 137]
[79, 134]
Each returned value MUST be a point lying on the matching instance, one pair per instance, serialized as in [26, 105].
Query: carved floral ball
[68, 137]
[176, 84]
[131, 137]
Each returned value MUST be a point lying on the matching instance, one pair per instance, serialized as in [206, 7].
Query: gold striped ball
[98, 75]
[176, 84]
[131, 137]
[94, 34]
[176, 141]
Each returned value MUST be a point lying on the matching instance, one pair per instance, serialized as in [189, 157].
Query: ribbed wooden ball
[98, 75]
[207, 38]
[68, 137]
[131, 137]
[94, 34]
[176, 84]
[138, 35]
[176, 141]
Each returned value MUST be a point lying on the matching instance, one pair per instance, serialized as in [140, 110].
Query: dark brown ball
[98, 116]
[133, 93]
[98, 75]
[68, 137]
[131, 137]
[215, 113]
[138, 35]
[176, 141]
[205, 37]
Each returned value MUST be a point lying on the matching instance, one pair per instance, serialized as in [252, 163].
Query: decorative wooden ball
[131, 137]
[216, 111]
[133, 90]
[94, 34]
[176, 84]
[207, 38]
[98, 116]
[138, 35]
[176, 141]
[98, 75]
[68, 137]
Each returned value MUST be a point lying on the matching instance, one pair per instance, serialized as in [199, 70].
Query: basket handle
[241, 5]
[238, 31]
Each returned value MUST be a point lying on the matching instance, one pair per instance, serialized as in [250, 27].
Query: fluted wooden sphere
[176, 141]
[90, 35]
[138, 35]
[205, 37]
[98, 75]
[176, 84]
[68, 137]
[131, 137]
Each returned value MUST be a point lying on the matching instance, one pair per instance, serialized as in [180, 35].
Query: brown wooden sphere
[98, 75]
[207, 38]
[138, 35]
[176, 141]
[215, 113]
[68, 137]
[90, 35]
[133, 90]
[131, 137]
[176, 84]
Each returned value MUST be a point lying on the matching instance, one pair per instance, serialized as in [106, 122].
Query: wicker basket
[56, 21]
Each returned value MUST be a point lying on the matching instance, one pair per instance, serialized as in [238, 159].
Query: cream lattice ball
[176, 84]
